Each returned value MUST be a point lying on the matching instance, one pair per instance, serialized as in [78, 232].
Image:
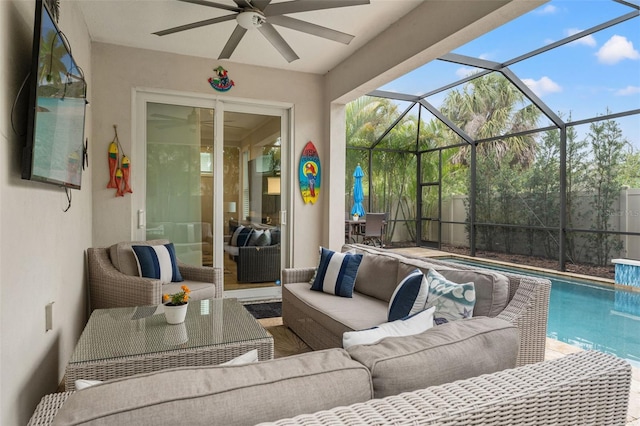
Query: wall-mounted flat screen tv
[54, 148]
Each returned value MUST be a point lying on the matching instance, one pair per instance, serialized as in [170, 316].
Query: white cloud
[586, 40]
[629, 90]
[616, 49]
[464, 72]
[543, 86]
[547, 10]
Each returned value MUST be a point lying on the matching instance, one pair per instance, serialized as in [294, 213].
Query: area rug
[265, 310]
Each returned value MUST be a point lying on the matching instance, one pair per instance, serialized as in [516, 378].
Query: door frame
[220, 104]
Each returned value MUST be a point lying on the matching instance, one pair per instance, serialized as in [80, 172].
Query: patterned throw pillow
[336, 273]
[409, 297]
[158, 262]
[408, 326]
[452, 301]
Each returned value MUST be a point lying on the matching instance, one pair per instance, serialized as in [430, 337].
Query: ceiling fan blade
[308, 5]
[260, 4]
[232, 43]
[213, 4]
[309, 28]
[195, 25]
[244, 4]
[278, 42]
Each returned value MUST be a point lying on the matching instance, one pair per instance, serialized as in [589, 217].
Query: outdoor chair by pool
[374, 229]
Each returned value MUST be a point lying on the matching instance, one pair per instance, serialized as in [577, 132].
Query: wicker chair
[111, 288]
[258, 264]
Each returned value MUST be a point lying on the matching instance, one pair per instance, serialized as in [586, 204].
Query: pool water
[588, 315]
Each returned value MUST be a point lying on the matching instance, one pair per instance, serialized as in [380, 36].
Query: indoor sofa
[321, 319]
[331, 388]
[256, 250]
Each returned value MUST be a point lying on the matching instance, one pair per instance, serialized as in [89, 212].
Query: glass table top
[121, 332]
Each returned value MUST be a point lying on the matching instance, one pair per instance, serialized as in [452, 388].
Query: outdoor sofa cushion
[492, 288]
[442, 354]
[273, 389]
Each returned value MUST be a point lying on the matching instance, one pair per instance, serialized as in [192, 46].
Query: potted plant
[356, 216]
[175, 305]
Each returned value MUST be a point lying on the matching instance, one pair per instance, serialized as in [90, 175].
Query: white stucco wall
[42, 249]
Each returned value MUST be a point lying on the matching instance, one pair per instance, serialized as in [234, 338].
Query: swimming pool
[586, 314]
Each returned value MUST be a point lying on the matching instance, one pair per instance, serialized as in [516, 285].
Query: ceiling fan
[262, 15]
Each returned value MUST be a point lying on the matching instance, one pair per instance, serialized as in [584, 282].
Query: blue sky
[583, 78]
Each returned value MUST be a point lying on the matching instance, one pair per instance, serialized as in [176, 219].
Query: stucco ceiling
[133, 22]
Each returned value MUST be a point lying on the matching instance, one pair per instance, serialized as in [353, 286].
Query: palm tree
[52, 67]
[488, 106]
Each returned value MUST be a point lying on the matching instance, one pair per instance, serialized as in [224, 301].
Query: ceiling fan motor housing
[250, 19]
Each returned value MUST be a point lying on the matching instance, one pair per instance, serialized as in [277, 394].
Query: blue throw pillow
[158, 262]
[243, 236]
[409, 297]
[336, 273]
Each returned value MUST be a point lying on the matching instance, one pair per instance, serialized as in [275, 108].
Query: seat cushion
[273, 389]
[442, 354]
[377, 276]
[492, 288]
[199, 290]
[124, 260]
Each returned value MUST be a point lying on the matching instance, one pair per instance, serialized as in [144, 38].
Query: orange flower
[165, 297]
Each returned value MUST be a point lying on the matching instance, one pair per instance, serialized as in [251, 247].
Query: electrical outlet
[48, 313]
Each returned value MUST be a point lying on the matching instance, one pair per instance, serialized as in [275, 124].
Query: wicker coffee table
[125, 341]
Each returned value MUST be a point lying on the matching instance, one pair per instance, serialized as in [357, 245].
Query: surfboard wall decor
[309, 174]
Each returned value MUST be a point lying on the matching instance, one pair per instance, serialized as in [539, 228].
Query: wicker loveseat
[587, 388]
[255, 261]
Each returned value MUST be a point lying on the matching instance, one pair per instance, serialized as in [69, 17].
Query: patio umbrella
[358, 194]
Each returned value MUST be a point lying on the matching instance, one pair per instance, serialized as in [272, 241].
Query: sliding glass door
[211, 167]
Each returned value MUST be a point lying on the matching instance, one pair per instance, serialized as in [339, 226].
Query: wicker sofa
[321, 320]
[114, 281]
[328, 388]
[255, 263]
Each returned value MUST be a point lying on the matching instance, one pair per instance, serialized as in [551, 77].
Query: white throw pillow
[83, 384]
[249, 357]
[414, 324]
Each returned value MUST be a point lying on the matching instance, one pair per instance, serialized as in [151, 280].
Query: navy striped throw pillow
[336, 273]
[409, 297]
[158, 262]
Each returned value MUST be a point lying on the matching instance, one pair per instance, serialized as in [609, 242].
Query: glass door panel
[252, 199]
[180, 180]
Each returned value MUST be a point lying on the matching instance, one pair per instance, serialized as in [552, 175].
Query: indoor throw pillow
[158, 262]
[336, 273]
[452, 301]
[409, 297]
